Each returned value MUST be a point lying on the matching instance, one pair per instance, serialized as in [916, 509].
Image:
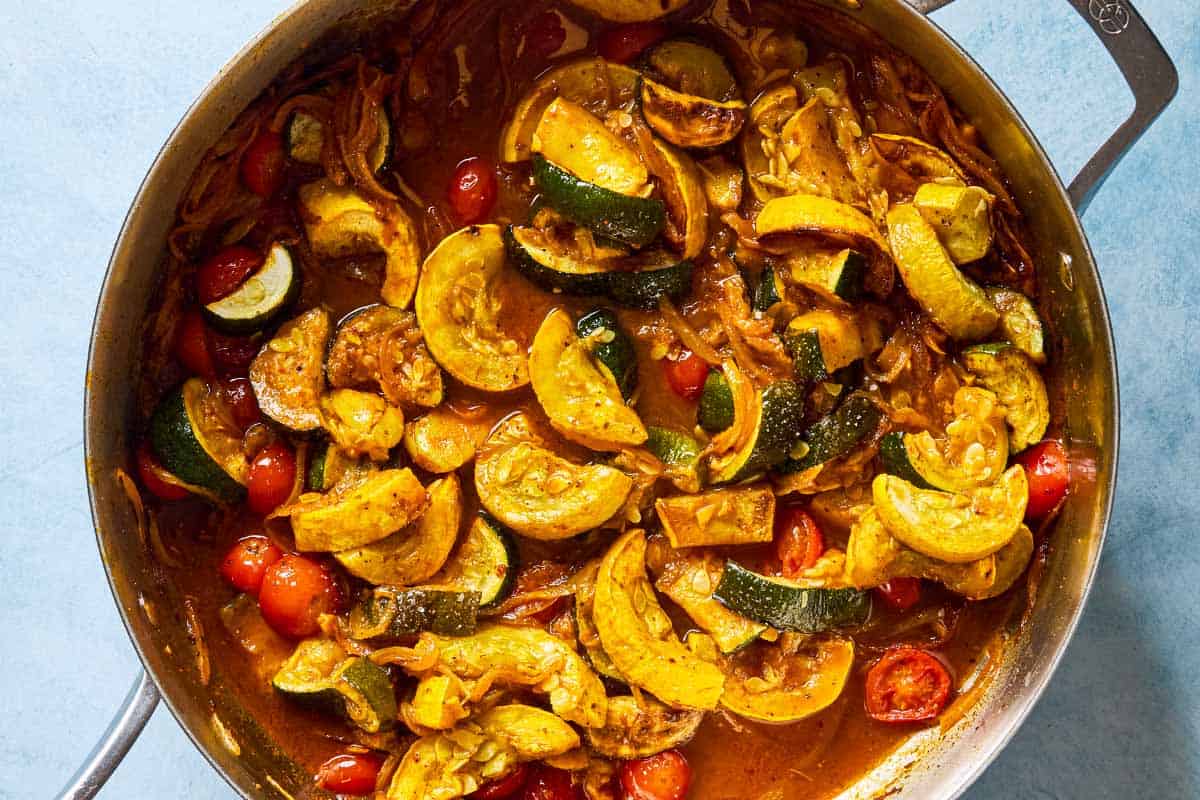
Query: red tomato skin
[224, 271]
[272, 478]
[232, 355]
[902, 662]
[350, 773]
[247, 562]
[295, 592]
[544, 35]
[473, 190]
[624, 43]
[503, 788]
[239, 394]
[192, 345]
[686, 375]
[900, 593]
[548, 783]
[146, 462]
[798, 541]
[263, 164]
[664, 776]
[1048, 471]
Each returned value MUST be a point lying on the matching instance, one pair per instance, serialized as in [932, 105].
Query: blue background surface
[89, 91]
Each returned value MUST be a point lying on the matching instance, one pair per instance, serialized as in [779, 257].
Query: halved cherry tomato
[624, 43]
[191, 345]
[502, 788]
[247, 562]
[686, 374]
[798, 541]
[900, 593]
[473, 190]
[225, 271]
[350, 773]
[544, 35]
[548, 783]
[148, 467]
[295, 592]
[664, 776]
[907, 685]
[239, 394]
[232, 355]
[272, 478]
[263, 164]
[1049, 474]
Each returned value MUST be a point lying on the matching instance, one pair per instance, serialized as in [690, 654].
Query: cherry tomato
[295, 592]
[473, 190]
[544, 35]
[225, 271]
[272, 478]
[624, 43]
[664, 776]
[502, 788]
[247, 561]
[907, 685]
[798, 541]
[148, 471]
[900, 593]
[686, 374]
[232, 355]
[350, 773]
[548, 783]
[263, 164]
[191, 345]
[239, 394]
[1049, 474]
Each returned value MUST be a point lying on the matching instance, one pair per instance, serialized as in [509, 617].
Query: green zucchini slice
[893, 453]
[193, 441]
[715, 412]
[658, 275]
[689, 579]
[320, 675]
[768, 291]
[260, 299]
[837, 277]
[1019, 322]
[835, 434]
[635, 221]
[287, 373]
[788, 606]
[1015, 379]
[671, 446]
[780, 416]
[547, 264]
[381, 347]
[822, 342]
[611, 347]
[306, 139]
[718, 517]
[484, 563]
[578, 142]
[801, 684]
[390, 612]
[638, 728]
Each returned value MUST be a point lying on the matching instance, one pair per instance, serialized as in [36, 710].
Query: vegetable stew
[540, 397]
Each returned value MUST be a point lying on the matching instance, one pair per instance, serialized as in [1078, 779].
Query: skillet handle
[122, 731]
[1147, 69]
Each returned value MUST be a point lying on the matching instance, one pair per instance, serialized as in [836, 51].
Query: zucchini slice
[689, 580]
[950, 298]
[835, 434]
[633, 220]
[306, 139]
[442, 440]
[789, 606]
[382, 347]
[922, 162]
[415, 553]
[1019, 322]
[260, 299]
[597, 85]
[837, 277]
[571, 137]
[768, 291]
[320, 675]
[660, 665]
[611, 347]
[637, 728]
[671, 447]
[779, 410]
[658, 275]
[329, 466]
[800, 684]
[1015, 379]
[955, 528]
[822, 342]
[688, 120]
[360, 513]
[579, 395]
[962, 217]
[484, 563]
[718, 517]
[340, 222]
[193, 441]
[286, 374]
[539, 494]
[585, 624]
[391, 612]
[715, 412]
[693, 68]
[460, 314]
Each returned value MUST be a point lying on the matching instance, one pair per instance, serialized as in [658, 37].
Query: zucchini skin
[766, 293]
[716, 403]
[635, 221]
[513, 562]
[671, 447]
[779, 430]
[894, 457]
[787, 607]
[618, 355]
[405, 612]
[179, 451]
[837, 433]
[584, 284]
[807, 358]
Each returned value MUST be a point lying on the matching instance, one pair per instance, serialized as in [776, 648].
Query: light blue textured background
[89, 89]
